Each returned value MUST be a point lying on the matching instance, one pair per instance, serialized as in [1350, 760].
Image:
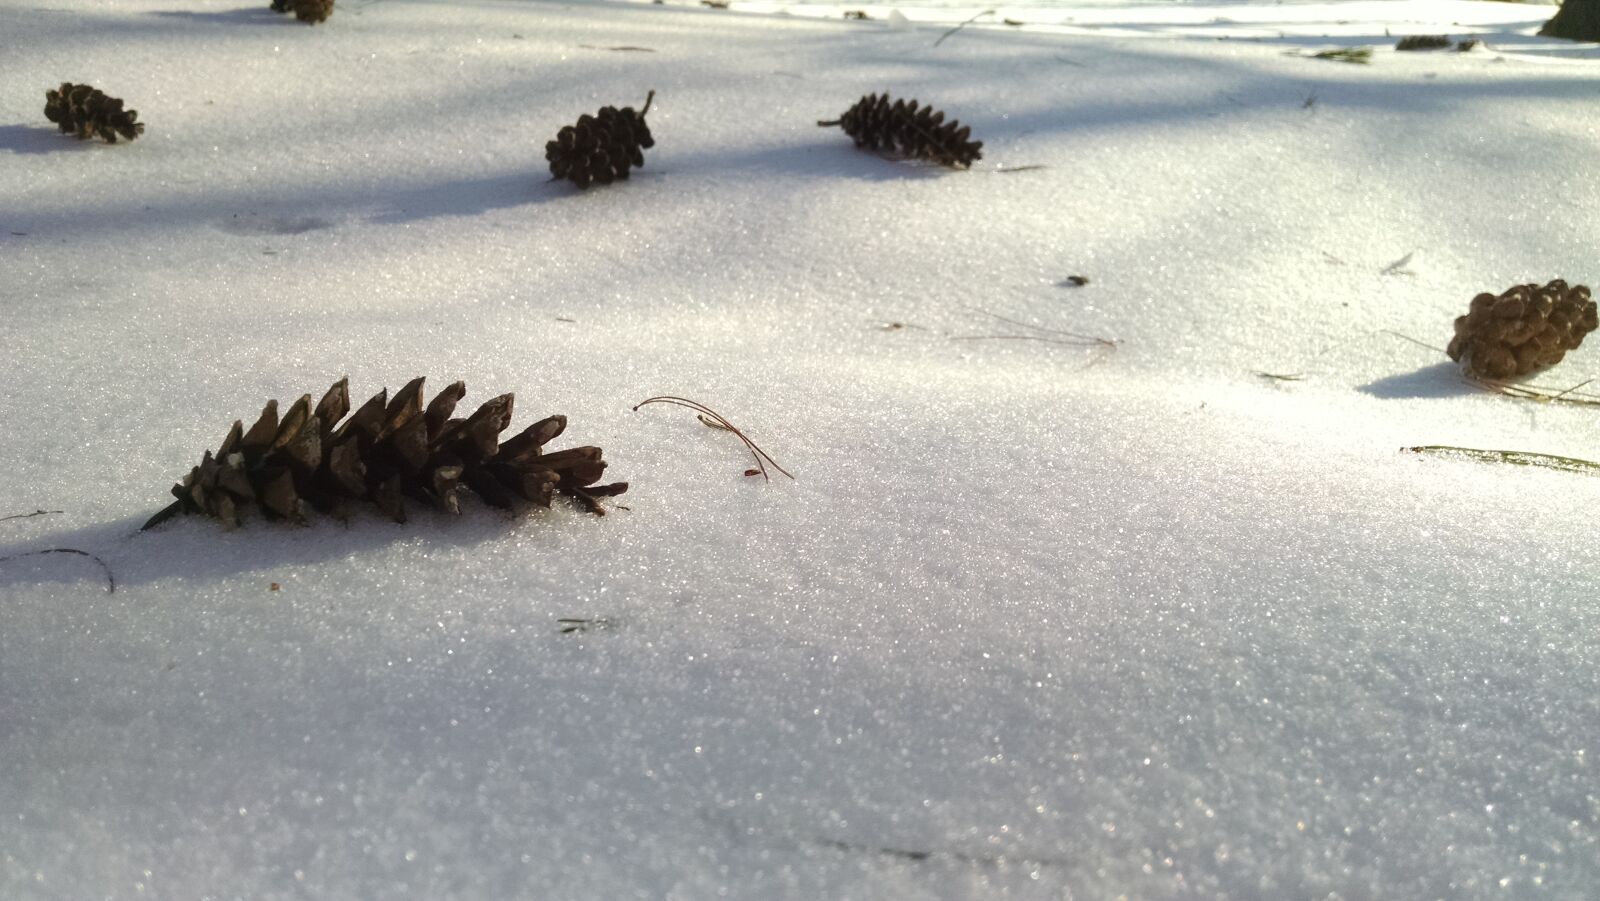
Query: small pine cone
[388, 450]
[1423, 42]
[313, 11]
[1526, 328]
[601, 148]
[901, 128]
[82, 110]
[308, 11]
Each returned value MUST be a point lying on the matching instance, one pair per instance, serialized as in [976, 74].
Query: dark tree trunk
[1577, 20]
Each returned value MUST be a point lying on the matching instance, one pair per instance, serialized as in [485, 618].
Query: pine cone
[308, 11]
[1526, 328]
[89, 113]
[601, 148]
[1423, 42]
[900, 128]
[389, 450]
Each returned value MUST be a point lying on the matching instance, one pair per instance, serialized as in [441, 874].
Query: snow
[1034, 620]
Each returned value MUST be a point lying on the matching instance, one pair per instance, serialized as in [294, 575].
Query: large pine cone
[602, 147]
[389, 450]
[900, 128]
[89, 113]
[1526, 328]
[308, 11]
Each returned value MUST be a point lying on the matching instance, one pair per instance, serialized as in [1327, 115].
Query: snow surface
[1035, 620]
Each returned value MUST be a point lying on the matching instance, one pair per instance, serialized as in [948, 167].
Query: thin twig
[624, 48]
[987, 12]
[26, 515]
[762, 457]
[111, 581]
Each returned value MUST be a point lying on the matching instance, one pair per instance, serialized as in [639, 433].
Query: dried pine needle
[1516, 458]
[721, 422]
[111, 581]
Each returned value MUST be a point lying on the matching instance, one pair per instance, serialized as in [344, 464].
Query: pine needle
[762, 457]
[987, 12]
[111, 581]
[26, 515]
[1516, 458]
[1077, 339]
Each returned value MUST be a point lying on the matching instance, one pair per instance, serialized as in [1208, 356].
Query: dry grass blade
[111, 581]
[762, 457]
[1516, 458]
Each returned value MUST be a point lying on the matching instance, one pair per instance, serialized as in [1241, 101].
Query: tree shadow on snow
[197, 548]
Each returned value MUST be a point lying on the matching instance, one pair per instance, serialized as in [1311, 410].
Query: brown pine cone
[309, 11]
[902, 128]
[601, 148]
[1526, 328]
[82, 110]
[390, 449]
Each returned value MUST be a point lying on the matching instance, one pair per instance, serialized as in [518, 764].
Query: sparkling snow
[1035, 620]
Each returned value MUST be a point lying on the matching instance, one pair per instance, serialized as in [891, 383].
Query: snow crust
[1035, 620]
